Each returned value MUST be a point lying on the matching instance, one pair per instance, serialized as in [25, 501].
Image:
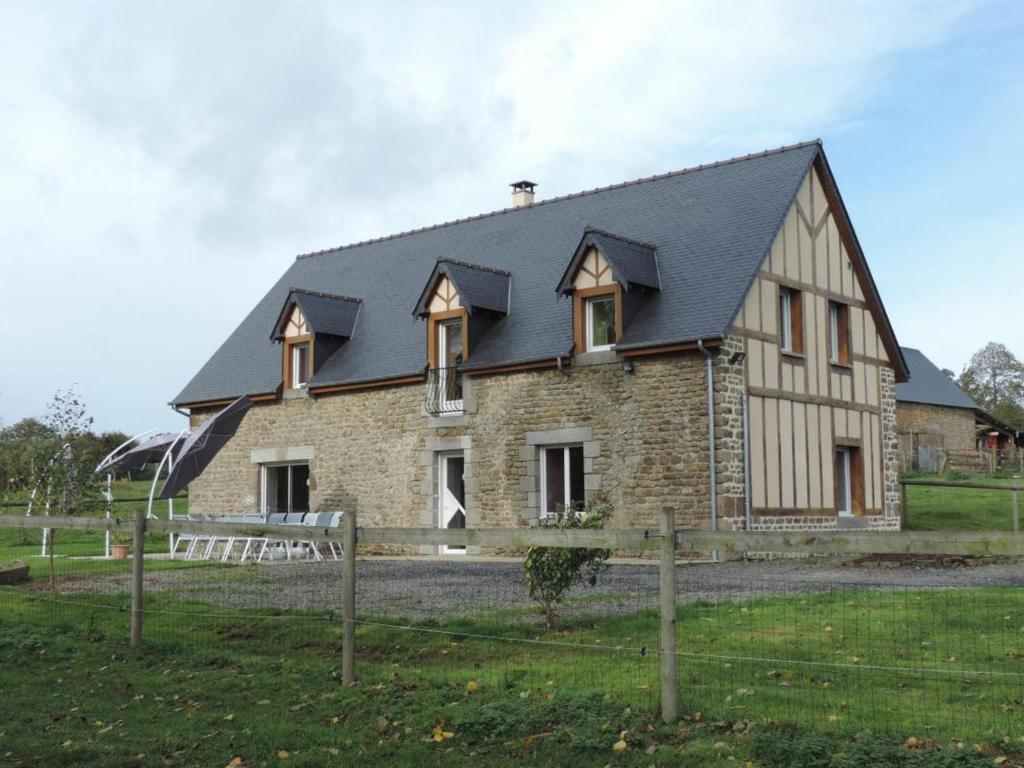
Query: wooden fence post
[348, 607]
[667, 593]
[1016, 513]
[138, 554]
[903, 507]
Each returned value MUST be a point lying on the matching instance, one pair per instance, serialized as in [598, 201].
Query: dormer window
[312, 326]
[300, 364]
[600, 312]
[608, 278]
[460, 303]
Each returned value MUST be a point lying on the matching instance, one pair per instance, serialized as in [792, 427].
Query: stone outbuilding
[709, 340]
[941, 427]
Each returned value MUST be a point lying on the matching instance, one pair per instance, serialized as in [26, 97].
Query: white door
[451, 496]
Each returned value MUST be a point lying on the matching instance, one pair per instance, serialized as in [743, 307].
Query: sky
[161, 164]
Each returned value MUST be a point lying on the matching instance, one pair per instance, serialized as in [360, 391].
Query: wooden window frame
[435, 319]
[579, 313]
[286, 363]
[795, 325]
[839, 333]
[855, 478]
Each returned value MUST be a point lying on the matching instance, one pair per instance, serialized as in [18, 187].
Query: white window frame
[566, 475]
[300, 378]
[833, 332]
[264, 510]
[845, 468]
[785, 319]
[589, 303]
[450, 407]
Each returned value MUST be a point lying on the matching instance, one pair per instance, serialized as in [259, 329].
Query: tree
[553, 571]
[995, 380]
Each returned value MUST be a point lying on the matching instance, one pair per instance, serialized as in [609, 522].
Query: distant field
[19, 544]
[960, 509]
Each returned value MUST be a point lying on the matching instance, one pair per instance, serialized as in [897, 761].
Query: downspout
[748, 521]
[708, 357]
[561, 368]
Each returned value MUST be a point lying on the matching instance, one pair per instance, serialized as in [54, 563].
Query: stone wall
[644, 436]
[890, 450]
[954, 425]
[729, 427]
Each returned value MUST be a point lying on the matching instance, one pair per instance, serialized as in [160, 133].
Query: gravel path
[421, 589]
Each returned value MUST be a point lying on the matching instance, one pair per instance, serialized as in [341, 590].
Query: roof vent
[522, 193]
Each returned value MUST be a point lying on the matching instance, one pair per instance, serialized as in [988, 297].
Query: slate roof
[478, 287]
[712, 227]
[632, 262]
[929, 385]
[324, 313]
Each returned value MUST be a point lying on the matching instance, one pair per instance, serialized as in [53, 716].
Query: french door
[451, 497]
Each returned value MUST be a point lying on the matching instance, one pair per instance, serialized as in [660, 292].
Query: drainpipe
[561, 368]
[708, 358]
[748, 521]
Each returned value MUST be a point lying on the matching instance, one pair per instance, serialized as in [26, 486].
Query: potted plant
[119, 547]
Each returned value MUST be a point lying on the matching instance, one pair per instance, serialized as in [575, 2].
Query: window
[300, 365]
[449, 353]
[838, 333]
[600, 322]
[791, 325]
[847, 481]
[561, 478]
[284, 488]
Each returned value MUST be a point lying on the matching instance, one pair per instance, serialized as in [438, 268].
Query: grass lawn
[960, 509]
[215, 686]
[25, 544]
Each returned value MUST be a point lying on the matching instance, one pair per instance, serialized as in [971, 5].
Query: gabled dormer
[608, 277]
[311, 327]
[460, 303]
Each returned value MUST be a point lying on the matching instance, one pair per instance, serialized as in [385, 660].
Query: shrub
[553, 571]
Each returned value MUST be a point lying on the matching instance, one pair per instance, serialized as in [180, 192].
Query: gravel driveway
[425, 588]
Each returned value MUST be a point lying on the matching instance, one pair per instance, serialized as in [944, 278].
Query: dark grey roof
[324, 313]
[929, 385]
[478, 287]
[632, 262]
[712, 227]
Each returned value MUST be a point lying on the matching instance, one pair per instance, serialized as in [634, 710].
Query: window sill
[793, 355]
[595, 357]
[841, 366]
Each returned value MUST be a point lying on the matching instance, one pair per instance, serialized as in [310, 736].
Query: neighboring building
[940, 427]
[486, 371]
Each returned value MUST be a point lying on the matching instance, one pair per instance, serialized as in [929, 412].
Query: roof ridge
[623, 238]
[481, 267]
[571, 196]
[323, 295]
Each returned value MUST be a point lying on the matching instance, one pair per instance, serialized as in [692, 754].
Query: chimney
[522, 193]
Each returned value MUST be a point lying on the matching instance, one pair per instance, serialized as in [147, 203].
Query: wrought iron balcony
[444, 391]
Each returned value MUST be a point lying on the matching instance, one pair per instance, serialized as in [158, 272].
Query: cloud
[161, 163]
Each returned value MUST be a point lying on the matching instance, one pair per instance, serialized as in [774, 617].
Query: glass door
[451, 497]
[449, 346]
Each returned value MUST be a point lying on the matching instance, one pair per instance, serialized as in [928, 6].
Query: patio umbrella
[202, 444]
[147, 451]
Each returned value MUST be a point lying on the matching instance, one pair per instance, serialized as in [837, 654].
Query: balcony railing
[444, 391]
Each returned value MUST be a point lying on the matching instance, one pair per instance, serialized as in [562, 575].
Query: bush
[553, 571]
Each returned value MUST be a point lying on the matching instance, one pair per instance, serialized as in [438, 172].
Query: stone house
[488, 371]
[941, 427]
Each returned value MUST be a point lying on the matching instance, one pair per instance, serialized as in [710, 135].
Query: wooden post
[667, 593]
[903, 507]
[138, 553]
[348, 607]
[1016, 513]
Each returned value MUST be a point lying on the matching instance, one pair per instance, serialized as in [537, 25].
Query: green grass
[212, 684]
[25, 544]
[960, 509]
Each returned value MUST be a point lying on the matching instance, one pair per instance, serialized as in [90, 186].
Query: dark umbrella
[148, 451]
[202, 444]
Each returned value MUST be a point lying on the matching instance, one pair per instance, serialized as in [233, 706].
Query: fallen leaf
[472, 687]
[230, 717]
[236, 762]
[282, 754]
[619, 746]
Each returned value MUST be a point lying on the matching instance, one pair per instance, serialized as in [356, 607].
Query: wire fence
[924, 650]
